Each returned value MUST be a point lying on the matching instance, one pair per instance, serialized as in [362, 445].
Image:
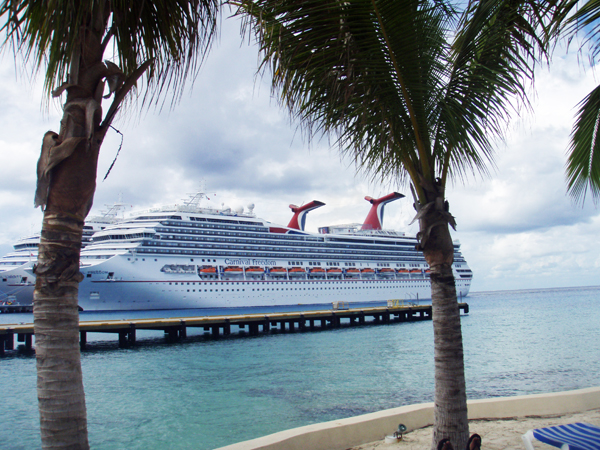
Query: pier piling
[175, 329]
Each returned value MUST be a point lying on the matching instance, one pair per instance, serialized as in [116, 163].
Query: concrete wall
[344, 433]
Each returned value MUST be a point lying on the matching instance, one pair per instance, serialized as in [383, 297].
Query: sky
[517, 227]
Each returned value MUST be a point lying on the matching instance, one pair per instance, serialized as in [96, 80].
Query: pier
[7, 309]
[175, 329]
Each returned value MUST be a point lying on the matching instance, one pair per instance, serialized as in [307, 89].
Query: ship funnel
[299, 219]
[374, 220]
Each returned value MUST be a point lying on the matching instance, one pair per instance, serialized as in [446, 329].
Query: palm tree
[155, 45]
[412, 90]
[583, 165]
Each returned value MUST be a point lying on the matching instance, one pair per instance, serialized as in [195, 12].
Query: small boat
[255, 272]
[352, 273]
[317, 272]
[295, 272]
[403, 273]
[278, 272]
[367, 272]
[334, 272]
[207, 272]
[233, 271]
[387, 272]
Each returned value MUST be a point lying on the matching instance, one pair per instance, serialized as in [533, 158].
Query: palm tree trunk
[61, 398]
[450, 409]
[70, 192]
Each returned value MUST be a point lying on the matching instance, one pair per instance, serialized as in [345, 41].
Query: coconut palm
[415, 91]
[583, 165]
[154, 46]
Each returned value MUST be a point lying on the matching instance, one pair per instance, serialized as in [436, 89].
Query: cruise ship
[190, 256]
[17, 279]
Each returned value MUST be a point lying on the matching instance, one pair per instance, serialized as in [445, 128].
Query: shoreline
[496, 434]
[367, 432]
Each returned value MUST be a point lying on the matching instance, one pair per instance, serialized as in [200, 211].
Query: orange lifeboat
[317, 272]
[255, 270]
[278, 272]
[296, 271]
[233, 270]
[207, 272]
[352, 273]
[367, 272]
[387, 272]
[334, 272]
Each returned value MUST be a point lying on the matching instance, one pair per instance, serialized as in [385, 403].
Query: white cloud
[518, 228]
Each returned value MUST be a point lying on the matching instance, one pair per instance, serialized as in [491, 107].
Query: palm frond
[495, 54]
[173, 35]
[408, 86]
[583, 164]
[368, 71]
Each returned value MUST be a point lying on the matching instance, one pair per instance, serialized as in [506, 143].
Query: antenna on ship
[195, 198]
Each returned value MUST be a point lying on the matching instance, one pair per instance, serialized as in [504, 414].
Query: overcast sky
[518, 228]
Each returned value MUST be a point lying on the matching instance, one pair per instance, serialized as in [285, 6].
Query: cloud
[518, 228]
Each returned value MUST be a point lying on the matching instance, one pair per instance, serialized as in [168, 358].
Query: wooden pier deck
[175, 329]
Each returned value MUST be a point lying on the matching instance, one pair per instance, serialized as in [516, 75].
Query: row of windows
[284, 250]
[233, 254]
[297, 289]
[264, 245]
[180, 234]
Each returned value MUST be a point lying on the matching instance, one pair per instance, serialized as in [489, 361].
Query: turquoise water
[207, 393]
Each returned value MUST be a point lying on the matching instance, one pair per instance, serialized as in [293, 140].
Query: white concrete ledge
[344, 433]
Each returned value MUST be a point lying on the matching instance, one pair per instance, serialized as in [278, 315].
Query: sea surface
[205, 393]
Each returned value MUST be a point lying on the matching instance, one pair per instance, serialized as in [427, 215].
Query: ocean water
[207, 393]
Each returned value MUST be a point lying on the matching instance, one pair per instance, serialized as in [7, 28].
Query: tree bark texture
[61, 399]
[450, 402]
[66, 185]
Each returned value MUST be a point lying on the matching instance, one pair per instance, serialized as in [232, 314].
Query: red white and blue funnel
[299, 219]
[374, 220]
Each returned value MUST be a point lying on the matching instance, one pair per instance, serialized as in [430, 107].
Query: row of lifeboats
[314, 272]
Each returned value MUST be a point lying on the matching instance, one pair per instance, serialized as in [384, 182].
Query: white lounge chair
[574, 436]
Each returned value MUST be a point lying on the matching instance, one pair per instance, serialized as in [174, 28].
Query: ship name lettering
[237, 262]
[263, 262]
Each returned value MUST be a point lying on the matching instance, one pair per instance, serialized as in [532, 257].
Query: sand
[496, 434]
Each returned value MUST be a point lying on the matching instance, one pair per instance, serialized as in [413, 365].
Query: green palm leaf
[170, 35]
[409, 87]
[583, 164]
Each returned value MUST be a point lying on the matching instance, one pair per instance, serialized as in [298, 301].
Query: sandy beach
[496, 434]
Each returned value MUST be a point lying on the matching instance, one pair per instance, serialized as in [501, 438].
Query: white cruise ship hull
[119, 284]
[186, 256]
[17, 284]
